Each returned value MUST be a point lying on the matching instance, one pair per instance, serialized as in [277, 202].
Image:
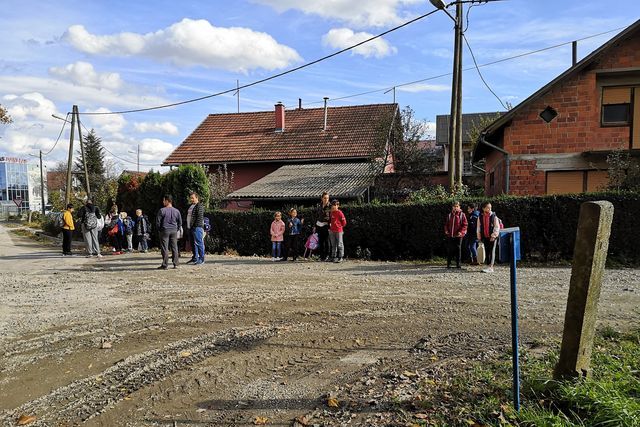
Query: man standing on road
[89, 219]
[195, 226]
[168, 222]
[67, 229]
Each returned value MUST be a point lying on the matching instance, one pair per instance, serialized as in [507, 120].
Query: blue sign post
[510, 251]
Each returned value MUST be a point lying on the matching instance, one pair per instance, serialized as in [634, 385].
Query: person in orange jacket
[67, 230]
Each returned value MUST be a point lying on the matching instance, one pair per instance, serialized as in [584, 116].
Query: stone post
[589, 257]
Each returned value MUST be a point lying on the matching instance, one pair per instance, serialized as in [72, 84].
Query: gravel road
[116, 342]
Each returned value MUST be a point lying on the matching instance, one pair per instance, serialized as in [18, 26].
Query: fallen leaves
[26, 419]
[332, 402]
[260, 421]
[185, 353]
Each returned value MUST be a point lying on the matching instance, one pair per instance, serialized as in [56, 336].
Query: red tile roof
[351, 133]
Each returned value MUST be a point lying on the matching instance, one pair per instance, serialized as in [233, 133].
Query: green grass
[480, 394]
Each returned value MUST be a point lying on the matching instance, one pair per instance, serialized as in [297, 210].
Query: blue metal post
[514, 325]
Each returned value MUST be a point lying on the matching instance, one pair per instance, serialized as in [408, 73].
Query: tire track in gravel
[88, 397]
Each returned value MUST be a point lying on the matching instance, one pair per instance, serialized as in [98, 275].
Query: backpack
[90, 220]
[128, 226]
[312, 242]
[207, 225]
[59, 220]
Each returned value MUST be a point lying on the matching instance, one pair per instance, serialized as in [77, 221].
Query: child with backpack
[488, 231]
[277, 236]
[455, 229]
[294, 226]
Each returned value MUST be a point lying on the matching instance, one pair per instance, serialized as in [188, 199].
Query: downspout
[507, 159]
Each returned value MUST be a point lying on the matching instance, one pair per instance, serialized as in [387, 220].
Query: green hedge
[415, 231]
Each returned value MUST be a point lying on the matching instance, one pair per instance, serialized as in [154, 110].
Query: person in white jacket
[488, 231]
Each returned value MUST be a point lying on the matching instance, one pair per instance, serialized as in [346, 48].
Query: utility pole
[138, 158]
[42, 184]
[458, 92]
[84, 160]
[67, 196]
[456, 86]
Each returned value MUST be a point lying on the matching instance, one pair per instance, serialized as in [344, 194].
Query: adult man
[89, 219]
[142, 231]
[168, 222]
[195, 228]
[67, 229]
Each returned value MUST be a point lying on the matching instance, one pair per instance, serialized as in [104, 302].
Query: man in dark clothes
[195, 225]
[168, 222]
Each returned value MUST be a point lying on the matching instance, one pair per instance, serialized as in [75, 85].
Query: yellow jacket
[67, 218]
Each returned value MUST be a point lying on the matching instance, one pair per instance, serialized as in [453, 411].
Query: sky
[111, 56]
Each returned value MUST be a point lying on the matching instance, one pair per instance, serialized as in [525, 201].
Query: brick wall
[576, 128]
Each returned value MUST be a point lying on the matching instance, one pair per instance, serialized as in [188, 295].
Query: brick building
[557, 140]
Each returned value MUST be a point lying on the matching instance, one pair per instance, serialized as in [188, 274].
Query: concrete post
[589, 257]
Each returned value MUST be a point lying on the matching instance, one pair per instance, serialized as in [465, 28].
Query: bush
[415, 231]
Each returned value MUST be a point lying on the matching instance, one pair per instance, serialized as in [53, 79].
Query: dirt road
[115, 342]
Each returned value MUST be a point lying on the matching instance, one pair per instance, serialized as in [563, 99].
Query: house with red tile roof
[558, 139]
[255, 145]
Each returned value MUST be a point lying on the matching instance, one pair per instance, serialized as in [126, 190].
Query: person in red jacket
[337, 221]
[455, 229]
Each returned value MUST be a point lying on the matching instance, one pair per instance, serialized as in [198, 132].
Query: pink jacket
[277, 231]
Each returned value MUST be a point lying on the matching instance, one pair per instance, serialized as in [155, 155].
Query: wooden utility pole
[456, 104]
[67, 195]
[458, 131]
[84, 160]
[42, 184]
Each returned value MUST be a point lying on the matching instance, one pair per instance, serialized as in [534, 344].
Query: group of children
[328, 231]
[481, 228]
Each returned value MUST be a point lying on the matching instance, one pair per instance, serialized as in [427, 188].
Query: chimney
[279, 117]
[325, 113]
[574, 53]
[299, 103]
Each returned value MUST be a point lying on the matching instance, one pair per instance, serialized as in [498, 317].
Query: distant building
[558, 139]
[271, 152]
[469, 122]
[19, 185]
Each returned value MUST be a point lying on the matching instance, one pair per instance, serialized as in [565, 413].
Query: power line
[480, 74]
[533, 52]
[59, 135]
[270, 77]
[117, 157]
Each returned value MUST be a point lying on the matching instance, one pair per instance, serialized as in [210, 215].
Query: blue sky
[121, 55]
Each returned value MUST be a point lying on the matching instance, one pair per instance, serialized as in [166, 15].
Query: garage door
[565, 182]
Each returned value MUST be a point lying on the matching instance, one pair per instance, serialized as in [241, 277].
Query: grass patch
[480, 393]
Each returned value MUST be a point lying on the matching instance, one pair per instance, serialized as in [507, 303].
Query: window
[466, 168]
[564, 182]
[616, 106]
[548, 114]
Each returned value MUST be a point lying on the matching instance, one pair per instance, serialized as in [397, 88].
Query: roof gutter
[507, 159]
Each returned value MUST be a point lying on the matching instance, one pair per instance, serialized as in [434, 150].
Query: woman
[322, 214]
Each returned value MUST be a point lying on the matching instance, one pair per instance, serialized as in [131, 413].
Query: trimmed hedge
[415, 231]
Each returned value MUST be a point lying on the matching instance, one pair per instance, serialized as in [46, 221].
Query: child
[337, 221]
[472, 242]
[488, 230]
[277, 236]
[128, 230]
[455, 228]
[295, 229]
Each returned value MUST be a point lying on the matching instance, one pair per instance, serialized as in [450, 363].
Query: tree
[409, 155]
[624, 171]
[94, 156]
[5, 118]
[184, 180]
[220, 185]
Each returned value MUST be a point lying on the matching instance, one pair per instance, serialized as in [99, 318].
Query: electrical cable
[270, 77]
[480, 74]
[533, 52]
[120, 158]
[57, 139]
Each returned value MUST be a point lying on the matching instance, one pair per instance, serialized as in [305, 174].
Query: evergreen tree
[94, 155]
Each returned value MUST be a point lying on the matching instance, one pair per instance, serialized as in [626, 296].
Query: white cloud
[340, 38]
[163, 127]
[83, 96]
[424, 87]
[32, 105]
[154, 150]
[191, 42]
[104, 123]
[360, 14]
[83, 74]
